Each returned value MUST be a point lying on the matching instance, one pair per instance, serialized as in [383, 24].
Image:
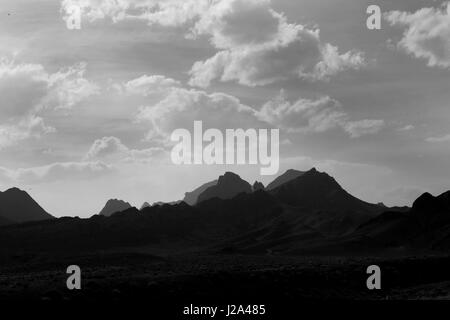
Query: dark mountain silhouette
[319, 202]
[304, 212]
[317, 190]
[289, 175]
[145, 205]
[192, 197]
[113, 206]
[257, 186]
[228, 186]
[425, 226]
[310, 214]
[17, 206]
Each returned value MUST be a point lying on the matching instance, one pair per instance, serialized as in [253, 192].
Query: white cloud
[427, 34]
[27, 89]
[148, 85]
[29, 127]
[318, 115]
[56, 172]
[303, 115]
[445, 138]
[256, 45]
[69, 87]
[113, 150]
[357, 129]
[181, 107]
[169, 13]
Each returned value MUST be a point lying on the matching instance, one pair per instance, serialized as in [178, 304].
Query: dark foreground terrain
[208, 278]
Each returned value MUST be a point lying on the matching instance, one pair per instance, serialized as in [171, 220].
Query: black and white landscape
[353, 96]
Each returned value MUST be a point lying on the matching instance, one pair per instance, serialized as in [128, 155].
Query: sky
[86, 115]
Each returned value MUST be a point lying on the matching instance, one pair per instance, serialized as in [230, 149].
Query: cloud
[148, 85]
[68, 87]
[168, 13]
[113, 150]
[22, 89]
[256, 45]
[318, 115]
[357, 129]
[56, 171]
[445, 138]
[426, 35]
[27, 90]
[26, 128]
[407, 127]
[181, 107]
[303, 115]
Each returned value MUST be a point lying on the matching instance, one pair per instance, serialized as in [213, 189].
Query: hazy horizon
[85, 114]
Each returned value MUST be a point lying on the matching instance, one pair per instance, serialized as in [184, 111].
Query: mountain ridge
[18, 206]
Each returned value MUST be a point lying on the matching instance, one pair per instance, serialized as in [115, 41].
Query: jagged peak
[258, 186]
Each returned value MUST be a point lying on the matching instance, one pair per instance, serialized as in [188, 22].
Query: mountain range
[299, 212]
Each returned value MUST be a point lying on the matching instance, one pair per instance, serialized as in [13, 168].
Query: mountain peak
[113, 206]
[228, 186]
[257, 186]
[145, 205]
[229, 176]
[428, 203]
[289, 175]
[15, 190]
[17, 205]
[318, 190]
[425, 201]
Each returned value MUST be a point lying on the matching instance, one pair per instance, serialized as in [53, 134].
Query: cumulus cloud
[426, 35]
[22, 88]
[68, 87]
[303, 115]
[27, 89]
[56, 171]
[320, 115]
[256, 45]
[180, 107]
[112, 149]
